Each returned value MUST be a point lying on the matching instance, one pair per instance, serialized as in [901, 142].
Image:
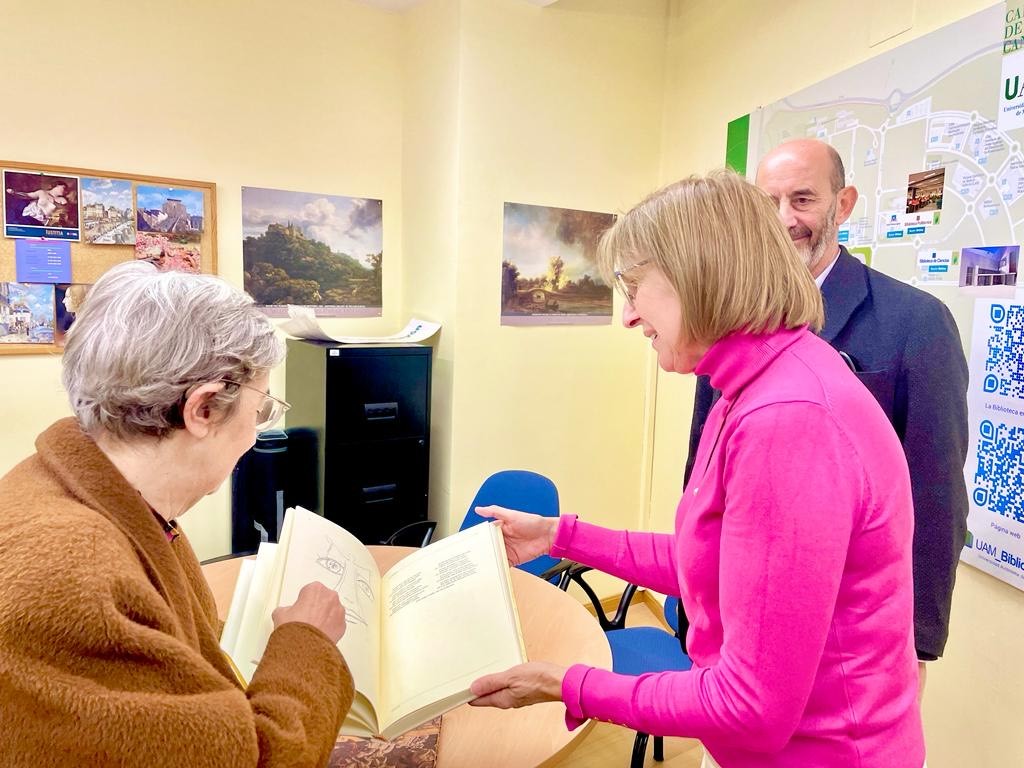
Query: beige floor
[609, 746]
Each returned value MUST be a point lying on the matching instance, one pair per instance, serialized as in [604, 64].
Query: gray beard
[815, 252]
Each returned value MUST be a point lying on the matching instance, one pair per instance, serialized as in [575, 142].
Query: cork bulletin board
[102, 218]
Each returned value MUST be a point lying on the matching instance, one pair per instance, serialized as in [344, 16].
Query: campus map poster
[931, 134]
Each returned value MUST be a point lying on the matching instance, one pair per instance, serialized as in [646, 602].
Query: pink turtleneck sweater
[792, 556]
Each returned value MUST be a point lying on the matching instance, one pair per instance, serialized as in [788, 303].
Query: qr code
[999, 479]
[1004, 366]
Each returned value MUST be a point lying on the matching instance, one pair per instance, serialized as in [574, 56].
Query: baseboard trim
[655, 606]
[608, 604]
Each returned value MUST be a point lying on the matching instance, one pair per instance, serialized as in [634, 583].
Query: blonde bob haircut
[719, 242]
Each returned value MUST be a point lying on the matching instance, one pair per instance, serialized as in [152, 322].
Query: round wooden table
[556, 629]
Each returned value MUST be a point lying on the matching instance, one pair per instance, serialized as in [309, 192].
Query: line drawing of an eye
[332, 565]
[364, 587]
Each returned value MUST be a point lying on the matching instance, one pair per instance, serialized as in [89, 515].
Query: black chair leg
[639, 751]
[659, 749]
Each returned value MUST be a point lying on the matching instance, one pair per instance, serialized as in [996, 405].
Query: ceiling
[401, 5]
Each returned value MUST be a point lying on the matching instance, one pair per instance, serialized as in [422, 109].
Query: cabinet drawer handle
[380, 411]
[380, 494]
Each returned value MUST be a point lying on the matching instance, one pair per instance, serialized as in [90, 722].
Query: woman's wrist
[552, 531]
[553, 686]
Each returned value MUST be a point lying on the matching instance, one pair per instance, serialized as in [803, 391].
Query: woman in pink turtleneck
[792, 543]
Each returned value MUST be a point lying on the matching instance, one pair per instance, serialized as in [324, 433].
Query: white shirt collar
[820, 279]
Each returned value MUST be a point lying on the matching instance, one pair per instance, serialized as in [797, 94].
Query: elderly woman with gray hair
[109, 649]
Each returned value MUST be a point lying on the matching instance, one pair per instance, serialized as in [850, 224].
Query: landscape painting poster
[549, 272]
[313, 250]
[108, 211]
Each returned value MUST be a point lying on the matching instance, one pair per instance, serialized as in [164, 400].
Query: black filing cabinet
[370, 409]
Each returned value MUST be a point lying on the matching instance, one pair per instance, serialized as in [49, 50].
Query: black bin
[278, 472]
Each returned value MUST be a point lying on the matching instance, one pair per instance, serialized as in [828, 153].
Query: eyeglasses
[270, 412]
[628, 287]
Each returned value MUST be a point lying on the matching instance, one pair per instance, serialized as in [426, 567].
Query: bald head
[812, 153]
[807, 180]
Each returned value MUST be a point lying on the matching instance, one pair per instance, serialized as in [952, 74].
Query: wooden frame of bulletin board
[89, 259]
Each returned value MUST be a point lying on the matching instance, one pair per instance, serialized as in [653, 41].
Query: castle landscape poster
[314, 250]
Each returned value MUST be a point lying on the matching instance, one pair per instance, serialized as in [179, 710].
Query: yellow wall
[562, 107]
[430, 199]
[445, 112]
[727, 57]
[559, 106]
[302, 96]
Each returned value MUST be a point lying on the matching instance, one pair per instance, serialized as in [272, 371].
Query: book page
[319, 550]
[254, 626]
[449, 617]
[233, 622]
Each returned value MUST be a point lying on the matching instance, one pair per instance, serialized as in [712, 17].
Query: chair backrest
[517, 489]
[672, 613]
[417, 534]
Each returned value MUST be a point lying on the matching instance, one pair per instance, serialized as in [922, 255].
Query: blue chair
[522, 490]
[635, 650]
[675, 617]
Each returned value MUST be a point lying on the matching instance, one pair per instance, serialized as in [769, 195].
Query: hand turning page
[417, 636]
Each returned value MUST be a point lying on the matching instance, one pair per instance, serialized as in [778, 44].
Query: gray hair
[144, 339]
[837, 176]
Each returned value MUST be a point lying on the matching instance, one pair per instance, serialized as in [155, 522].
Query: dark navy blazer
[906, 349]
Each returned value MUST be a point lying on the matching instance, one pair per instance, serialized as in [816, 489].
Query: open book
[417, 636]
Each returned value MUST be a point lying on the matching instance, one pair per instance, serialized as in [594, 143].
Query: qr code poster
[995, 460]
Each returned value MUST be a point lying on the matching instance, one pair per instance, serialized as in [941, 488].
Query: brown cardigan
[109, 648]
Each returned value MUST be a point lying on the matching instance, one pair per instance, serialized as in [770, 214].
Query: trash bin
[278, 472]
[258, 490]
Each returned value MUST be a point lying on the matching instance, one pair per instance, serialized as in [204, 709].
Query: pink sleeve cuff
[572, 695]
[563, 535]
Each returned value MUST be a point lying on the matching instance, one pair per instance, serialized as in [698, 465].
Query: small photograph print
[26, 313]
[176, 213]
[40, 205]
[170, 253]
[67, 301]
[989, 270]
[924, 191]
[313, 250]
[108, 213]
[549, 273]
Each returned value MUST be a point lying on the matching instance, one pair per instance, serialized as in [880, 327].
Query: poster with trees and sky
[313, 250]
[549, 272]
